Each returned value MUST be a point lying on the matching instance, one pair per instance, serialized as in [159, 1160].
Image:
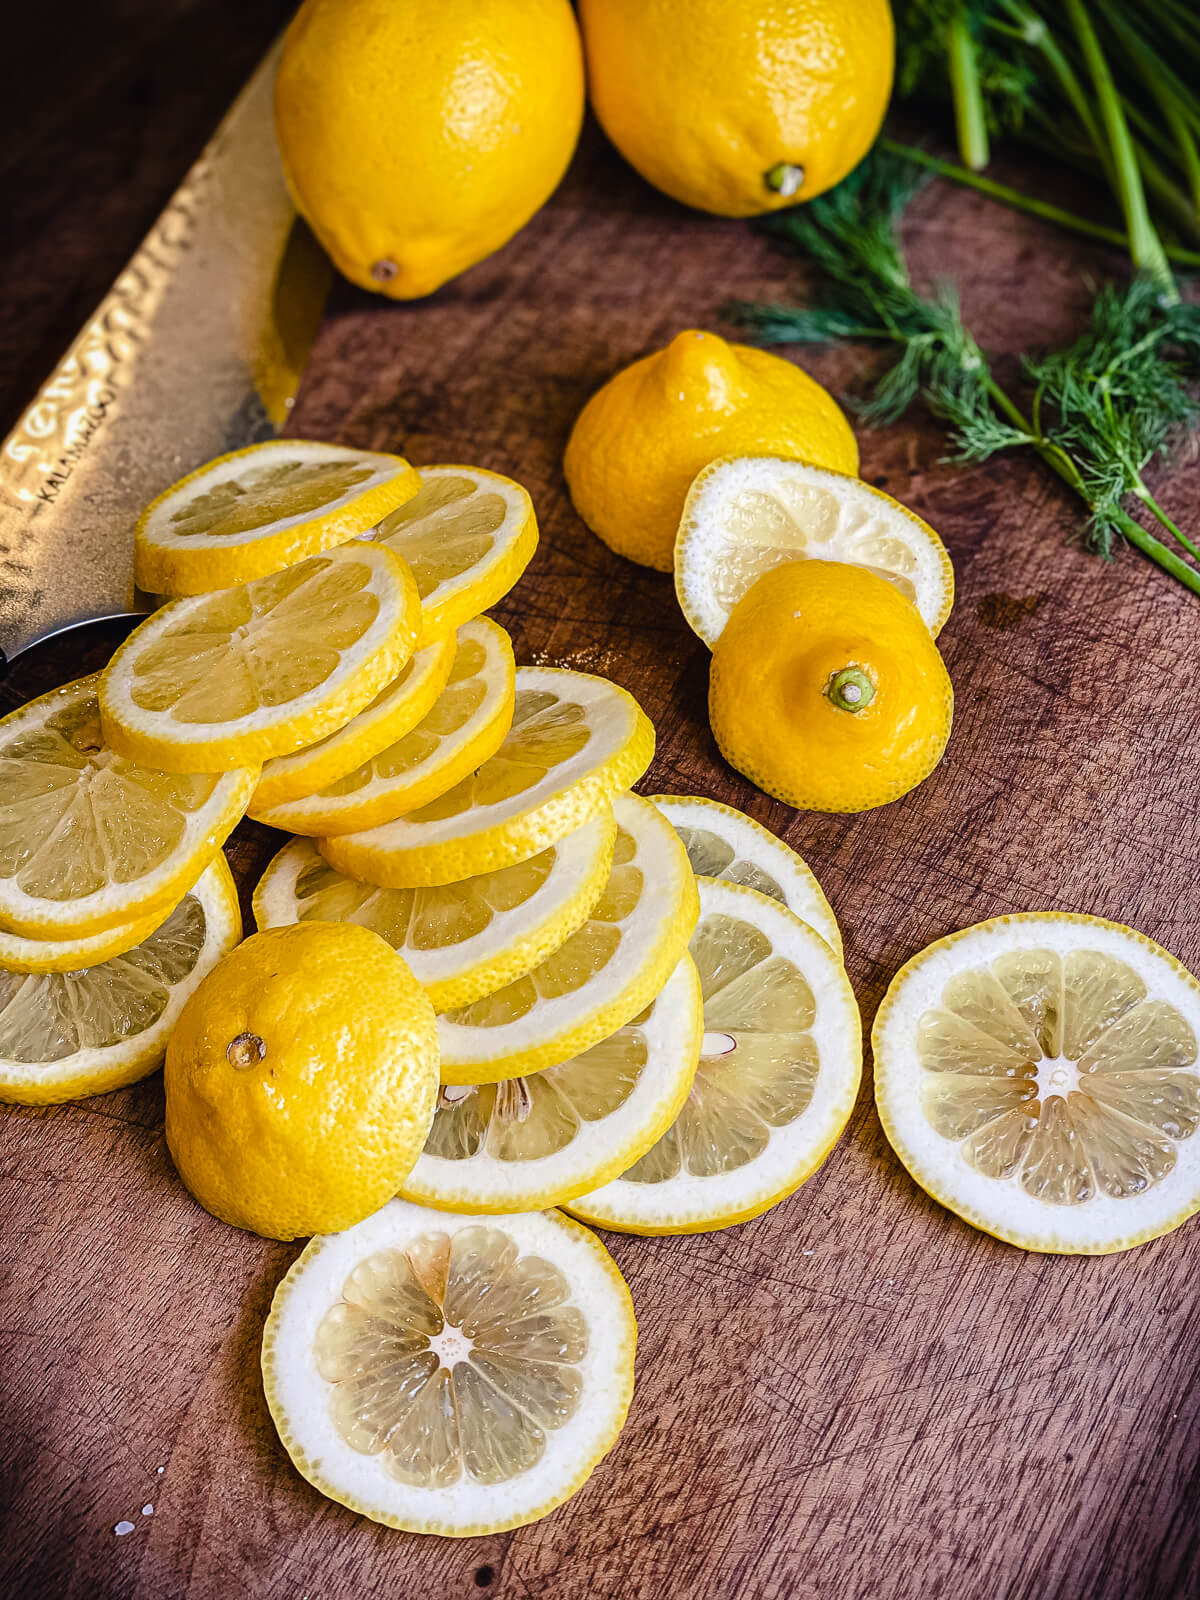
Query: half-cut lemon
[779, 1070]
[746, 514]
[464, 940]
[90, 841]
[395, 711]
[726, 844]
[263, 668]
[258, 510]
[468, 535]
[575, 742]
[465, 725]
[533, 1142]
[597, 981]
[448, 1375]
[1039, 1075]
[64, 1035]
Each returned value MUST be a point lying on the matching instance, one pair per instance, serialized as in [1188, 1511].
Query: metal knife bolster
[196, 349]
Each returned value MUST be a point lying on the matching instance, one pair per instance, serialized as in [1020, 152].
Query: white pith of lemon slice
[575, 742]
[90, 841]
[1038, 1075]
[747, 514]
[464, 727]
[258, 510]
[468, 535]
[395, 711]
[726, 844]
[529, 1143]
[64, 1035]
[450, 1374]
[600, 978]
[262, 668]
[464, 940]
[780, 1066]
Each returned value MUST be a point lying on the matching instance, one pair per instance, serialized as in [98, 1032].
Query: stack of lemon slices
[642, 1011]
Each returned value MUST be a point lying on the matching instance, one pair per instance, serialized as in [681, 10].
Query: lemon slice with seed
[256, 511]
[448, 1375]
[90, 841]
[779, 1070]
[600, 978]
[727, 844]
[468, 535]
[1039, 1075]
[64, 1035]
[395, 711]
[464, 940]
[465, 725]
[746, 514]
[263, 668]
[575, 742]
[528, 1143]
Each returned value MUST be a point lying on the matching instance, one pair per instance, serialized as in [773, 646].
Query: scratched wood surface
[855, 1395]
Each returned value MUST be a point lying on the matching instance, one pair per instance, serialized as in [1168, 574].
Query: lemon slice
[395, 711]
[263, 668]
[18, 954]
[1038, 1075]
[90, 841]
[746, 514]
[533, 1142]
[575, 742]
[600, 978]
[256, 511]
[465, 725]
[779, 1070]
[468, 535]
[464, 940]
[448, 1375]
[726, 844]
[64, 1035]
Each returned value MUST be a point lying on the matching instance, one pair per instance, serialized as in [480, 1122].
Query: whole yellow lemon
[736, 107]
[417, 138]
[826, 689]
[301, 1080]
[641, 439]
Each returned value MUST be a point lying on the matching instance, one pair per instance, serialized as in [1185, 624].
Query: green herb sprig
[1097, 412]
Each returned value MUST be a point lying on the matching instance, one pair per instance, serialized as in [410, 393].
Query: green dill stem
[1027, 203]
[969, 116]
[1144, 244]
[1032, 30]
[1152, 505]
[1157, 551]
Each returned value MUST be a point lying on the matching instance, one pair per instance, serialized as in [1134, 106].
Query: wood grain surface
[855, 1395]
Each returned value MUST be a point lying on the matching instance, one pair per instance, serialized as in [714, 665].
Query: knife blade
[196, 349]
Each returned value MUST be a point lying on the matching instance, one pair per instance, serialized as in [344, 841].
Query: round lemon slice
[779, 1070]
[528, 1143]
[726, 844]
[746, 514]
[468, 535]
[575, 742]
[256, 511]
[465, 725]
[90, 841]
[18, 954]
[600, 978]
[64, 1035]
[395, 711]
[463, 940]
[1039, 1075]
[446, 1374]
[263, 668]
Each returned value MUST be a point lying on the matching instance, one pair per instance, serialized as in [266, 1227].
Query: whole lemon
[417, 138]
[641, 439]
[301, 1080]
[826, 689]
[739, 108]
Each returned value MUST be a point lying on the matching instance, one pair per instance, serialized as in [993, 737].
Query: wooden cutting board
[855, 1395]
